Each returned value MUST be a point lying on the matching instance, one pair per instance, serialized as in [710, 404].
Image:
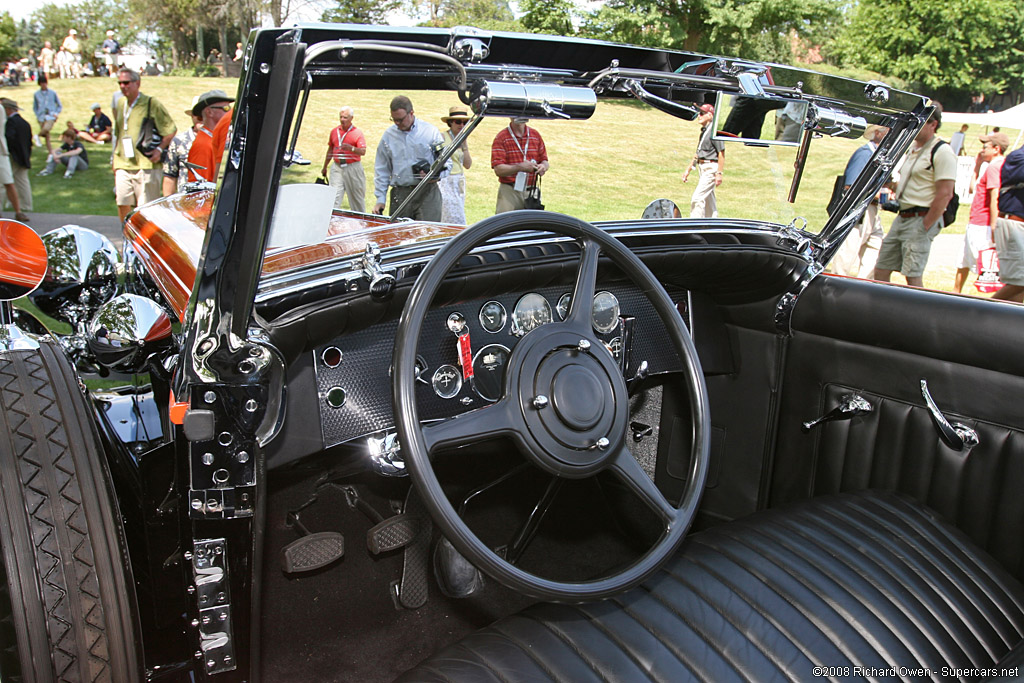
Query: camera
[421, 167]
[888, 203]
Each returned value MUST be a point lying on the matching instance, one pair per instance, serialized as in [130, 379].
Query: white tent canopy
[1009, 118]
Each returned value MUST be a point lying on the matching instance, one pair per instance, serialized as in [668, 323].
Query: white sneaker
[68, 175]
[37, 141]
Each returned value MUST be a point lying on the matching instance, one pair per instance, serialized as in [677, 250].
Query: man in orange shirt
[212, 107]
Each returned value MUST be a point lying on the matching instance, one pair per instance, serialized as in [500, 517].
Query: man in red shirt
[212, 107]
[518, 157]
[346, 146]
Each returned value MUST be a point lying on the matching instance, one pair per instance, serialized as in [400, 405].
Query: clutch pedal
[313, 551]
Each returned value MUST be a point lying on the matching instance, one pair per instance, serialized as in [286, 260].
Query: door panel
[880, 341]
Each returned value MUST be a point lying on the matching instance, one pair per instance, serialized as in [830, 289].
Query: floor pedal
[313, 551]
[412, 589]
[393, 533]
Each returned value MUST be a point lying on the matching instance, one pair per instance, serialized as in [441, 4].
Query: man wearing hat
[98, 130]
[710, 162]
[212, 107]
[138, 165]
[16, 144]
[453, 187]
[925, 187]
[982, 217]
[175, 171]
[346, 146]
[111, 50]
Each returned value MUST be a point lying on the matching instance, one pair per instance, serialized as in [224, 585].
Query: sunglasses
[222, 107]
[125, 82]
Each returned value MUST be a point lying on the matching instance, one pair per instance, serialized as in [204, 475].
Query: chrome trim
[386, 454]
[13, 338]
[210, 573]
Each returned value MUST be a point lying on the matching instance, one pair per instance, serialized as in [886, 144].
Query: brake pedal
[393, 533]
[313, 551]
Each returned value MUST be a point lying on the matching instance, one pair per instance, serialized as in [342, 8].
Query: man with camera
[709, 160]
[405, 154]
[519, 158]
[924, 189]
[143, 129]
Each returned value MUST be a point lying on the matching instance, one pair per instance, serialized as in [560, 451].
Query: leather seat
[870, 580]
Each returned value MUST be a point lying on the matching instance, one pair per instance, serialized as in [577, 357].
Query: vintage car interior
[332, 446]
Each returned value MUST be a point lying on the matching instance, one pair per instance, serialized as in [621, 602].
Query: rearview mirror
[746, 119]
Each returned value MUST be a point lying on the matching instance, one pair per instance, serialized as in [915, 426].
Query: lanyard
[128, 110]
[516, 140]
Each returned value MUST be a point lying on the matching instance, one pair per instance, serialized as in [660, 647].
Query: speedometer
[605, 313]
[531, 311]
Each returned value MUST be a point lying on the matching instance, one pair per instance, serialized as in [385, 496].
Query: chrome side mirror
[127, 331]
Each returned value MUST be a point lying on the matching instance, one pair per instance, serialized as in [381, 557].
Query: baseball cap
[94, 106]
[1000, 139]
[707, 109]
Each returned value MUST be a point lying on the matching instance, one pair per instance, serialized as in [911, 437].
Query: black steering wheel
[548, 371]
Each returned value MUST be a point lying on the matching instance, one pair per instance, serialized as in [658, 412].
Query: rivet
[584, 345]
[251, 405]
[207, 458]
[242, 456]
[210, 397]
[540, 401]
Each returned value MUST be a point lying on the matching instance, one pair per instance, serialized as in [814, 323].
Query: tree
[547, 16]
[964, 46]
[751, 29]
[9, 48]
[492, 15]
[360, 11]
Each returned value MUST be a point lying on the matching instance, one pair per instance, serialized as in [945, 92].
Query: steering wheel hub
[587, 401]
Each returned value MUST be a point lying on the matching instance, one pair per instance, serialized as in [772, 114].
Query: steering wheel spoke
[629, 470]
[490, 421]
[580, 310]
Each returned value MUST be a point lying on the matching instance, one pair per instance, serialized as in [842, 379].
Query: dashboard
[464, 350]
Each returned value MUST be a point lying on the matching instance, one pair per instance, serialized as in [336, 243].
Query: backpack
[949, 215]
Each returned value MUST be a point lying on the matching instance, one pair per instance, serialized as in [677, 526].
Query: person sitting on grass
[71, 154]
[98, 131]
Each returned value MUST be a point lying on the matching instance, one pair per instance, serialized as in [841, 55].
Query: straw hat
[456, 113]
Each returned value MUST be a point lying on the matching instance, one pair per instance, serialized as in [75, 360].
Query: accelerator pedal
[412, 588]
[313, 551]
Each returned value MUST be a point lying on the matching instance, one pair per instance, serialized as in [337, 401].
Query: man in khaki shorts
[138, 174]
[1009, 228]
[924, 190]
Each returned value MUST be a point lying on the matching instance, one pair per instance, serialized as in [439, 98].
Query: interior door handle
[850, 406]
[957, 436]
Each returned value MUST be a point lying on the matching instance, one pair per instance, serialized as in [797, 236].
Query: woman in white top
[453, 186]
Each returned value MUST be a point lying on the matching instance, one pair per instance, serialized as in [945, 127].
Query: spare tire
[69, 596]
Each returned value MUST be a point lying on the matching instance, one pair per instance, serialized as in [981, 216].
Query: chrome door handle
[957, 436]
[850, 406]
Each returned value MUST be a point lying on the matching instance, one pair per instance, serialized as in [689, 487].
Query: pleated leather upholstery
[870, 580]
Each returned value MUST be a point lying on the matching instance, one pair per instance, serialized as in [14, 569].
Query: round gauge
[489, 371]
[447, 381]
[605, 314]
[530, 312]
[562, 307]
[492, 317]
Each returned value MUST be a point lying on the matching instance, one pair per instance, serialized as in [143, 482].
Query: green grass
[608, 167]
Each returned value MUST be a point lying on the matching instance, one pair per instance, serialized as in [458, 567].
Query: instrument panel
[464, 350]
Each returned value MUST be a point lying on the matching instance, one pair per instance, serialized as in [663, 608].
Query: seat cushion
[852, 583]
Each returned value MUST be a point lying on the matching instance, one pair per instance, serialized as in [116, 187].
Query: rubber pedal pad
[313, 552]
[393, 533]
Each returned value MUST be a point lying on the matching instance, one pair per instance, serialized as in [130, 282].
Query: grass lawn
[608, 167]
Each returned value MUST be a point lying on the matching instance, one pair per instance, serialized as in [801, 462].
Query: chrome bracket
[850, 406]
[210, 573]
[469, 44]
[798, 236]
[382, 283]
[876, 91]
[957, 435]
[386, 454]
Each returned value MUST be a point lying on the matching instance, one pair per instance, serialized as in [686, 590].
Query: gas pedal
[312, 552]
